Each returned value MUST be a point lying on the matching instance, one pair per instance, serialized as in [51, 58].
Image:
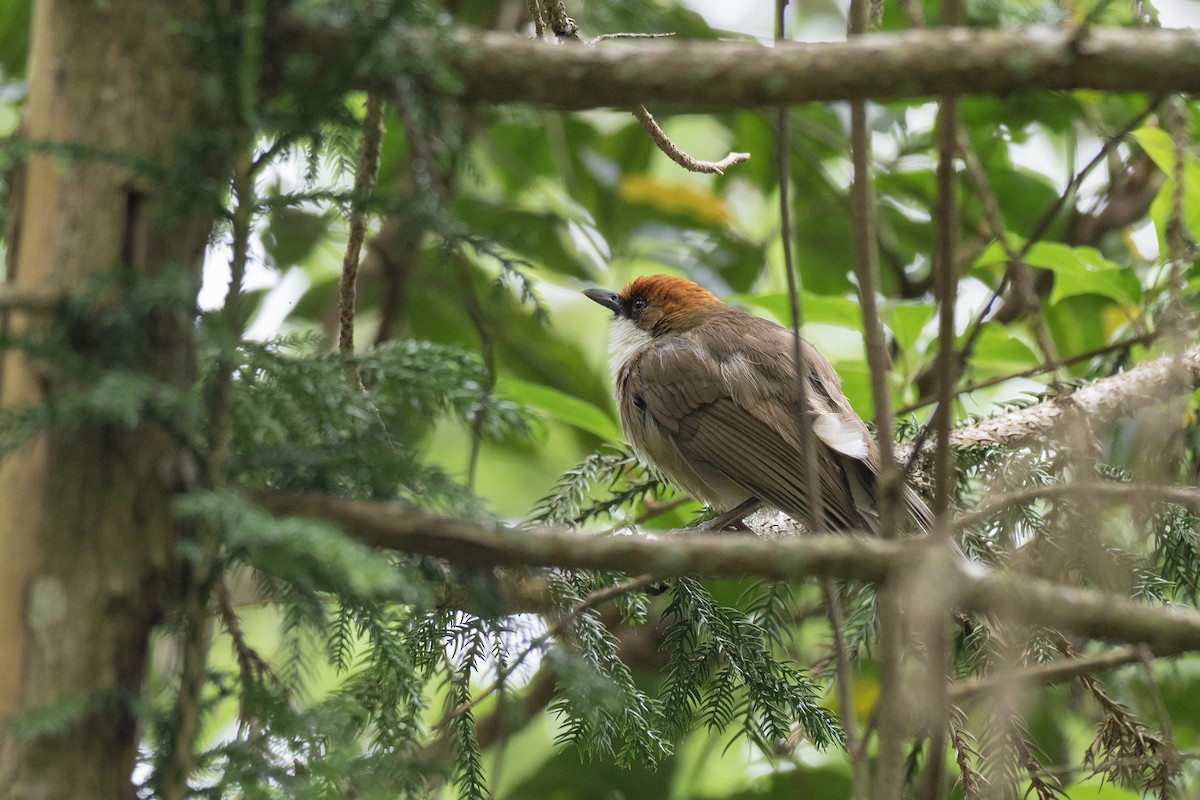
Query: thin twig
[252, 667]
[1044, 674]
[563, 26]
[864, 218]
[425, 163]
[1186, 496]
[203, 569]
[890, 761]
[945, 287]
[609, 36]
[1146, 660]
[844, 678]
[808, 443]
[945, 280]
[364, 182]
[535, 13]
[487, 347]
[1144, 339]
[998, 231]
[664, 143]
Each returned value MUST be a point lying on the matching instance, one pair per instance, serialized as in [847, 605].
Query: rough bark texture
[1102, 402]
[86, 537]
[495, 68]
[1020, 598]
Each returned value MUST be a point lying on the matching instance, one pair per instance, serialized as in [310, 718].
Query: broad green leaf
[291, 235]
[907, 320]
[1077, 270]
[14, 37]
[1157, 144]
[827, 309]
[999, 352]
[562, 407]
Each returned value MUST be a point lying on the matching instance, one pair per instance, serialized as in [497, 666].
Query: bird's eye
[638, 304]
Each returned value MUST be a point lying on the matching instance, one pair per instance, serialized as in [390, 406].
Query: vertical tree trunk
[87, 542]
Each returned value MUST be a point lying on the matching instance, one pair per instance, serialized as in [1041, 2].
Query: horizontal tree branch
[1019, 598]
[1102, 402]
[30, 299]
[1186, 496]
[702, 75]
[1042, 674]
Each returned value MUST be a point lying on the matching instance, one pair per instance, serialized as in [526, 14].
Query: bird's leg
[732, 518]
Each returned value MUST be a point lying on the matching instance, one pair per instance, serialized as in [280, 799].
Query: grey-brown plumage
[707, 394]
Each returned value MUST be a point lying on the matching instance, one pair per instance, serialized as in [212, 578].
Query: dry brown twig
[672, 151]
[364, 181]
[565, 28]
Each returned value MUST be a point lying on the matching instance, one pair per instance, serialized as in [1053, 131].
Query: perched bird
[707, 394]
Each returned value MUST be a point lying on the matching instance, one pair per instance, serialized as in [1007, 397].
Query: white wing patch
[839, 434]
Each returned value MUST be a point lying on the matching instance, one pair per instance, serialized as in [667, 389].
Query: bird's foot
[734, 519]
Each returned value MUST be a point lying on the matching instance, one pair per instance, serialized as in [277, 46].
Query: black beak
[610, 300]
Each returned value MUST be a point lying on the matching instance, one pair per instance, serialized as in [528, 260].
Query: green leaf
[1077, 270]
[562, 407]
[827, 309]
[14, 37]
[999, 352]
[907, 320]
[292, 234]
[1157, 144]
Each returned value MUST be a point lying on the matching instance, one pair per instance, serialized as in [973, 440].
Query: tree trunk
[121, 107]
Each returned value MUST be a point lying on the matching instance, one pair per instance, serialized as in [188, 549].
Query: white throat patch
[624, 339]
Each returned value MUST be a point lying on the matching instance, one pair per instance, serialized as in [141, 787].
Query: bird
[707, 394]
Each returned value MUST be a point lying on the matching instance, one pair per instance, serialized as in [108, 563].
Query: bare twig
[203, 569]
[866, 270]
[1125, 344]
[252, 667]
[1186, 496]
[889, 707]
[610, 36]
[535, 13]
[808, 444]
[364, 182]
[487, 348]
[664, 143]
[946, 287]
[932, 620]
[659, 136]
[844, 679]
[563, 26]
[1048, 216]
[1043, 674]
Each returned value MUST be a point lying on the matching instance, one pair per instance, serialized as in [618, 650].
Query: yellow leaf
[674, 198]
